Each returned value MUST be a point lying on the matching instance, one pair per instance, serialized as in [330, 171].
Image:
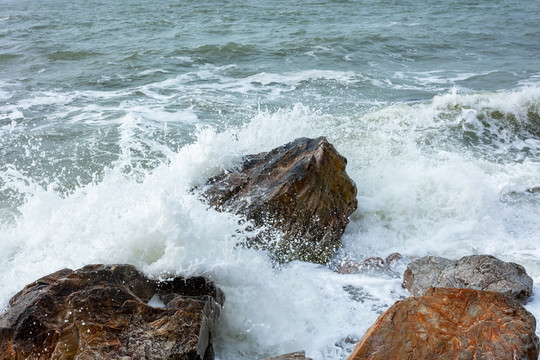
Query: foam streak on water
[112, 116]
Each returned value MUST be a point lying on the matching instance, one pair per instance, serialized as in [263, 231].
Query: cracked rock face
[480, 272]
[299, 190]
[449, 323]
[103, 312]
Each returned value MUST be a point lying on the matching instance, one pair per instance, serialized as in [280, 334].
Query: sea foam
[416, 197]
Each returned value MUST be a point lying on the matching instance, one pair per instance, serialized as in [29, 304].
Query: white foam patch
[156, 301]
[420, 199]
[267, 318]
[153, 71]
[216, 79]
[515, 102]
[295, 78]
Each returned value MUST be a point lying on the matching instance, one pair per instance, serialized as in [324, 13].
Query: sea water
[111, 113]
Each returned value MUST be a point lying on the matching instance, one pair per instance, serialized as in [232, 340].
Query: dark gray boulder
[480, 272]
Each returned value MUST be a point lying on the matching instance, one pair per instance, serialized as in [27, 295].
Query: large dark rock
[451, 324]
[480, 272]
[299, 190]
[102, 312]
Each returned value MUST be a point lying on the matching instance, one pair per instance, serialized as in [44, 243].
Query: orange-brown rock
[299, 190]
[448, 323]
[102, 312]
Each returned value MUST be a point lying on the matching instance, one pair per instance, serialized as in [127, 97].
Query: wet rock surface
[102, 312]
[299, 190]
[480, 272]
[451, 324]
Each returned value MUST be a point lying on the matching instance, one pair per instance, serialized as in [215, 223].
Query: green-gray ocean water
[111, 111]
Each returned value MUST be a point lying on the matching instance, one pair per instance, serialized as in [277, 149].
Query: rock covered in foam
[102, 311]
[480, 272]
[449, 323]
[300, 190]
[299, 355]
[372, 263]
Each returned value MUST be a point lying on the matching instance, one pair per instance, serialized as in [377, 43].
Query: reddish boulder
[102, 311]
[299, 190]
[450, 323]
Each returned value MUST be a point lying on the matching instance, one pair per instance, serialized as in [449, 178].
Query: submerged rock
[102, 311]
[369, 264]
[299, 190]
[299, 355]
[451, 324]
[480, 272]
